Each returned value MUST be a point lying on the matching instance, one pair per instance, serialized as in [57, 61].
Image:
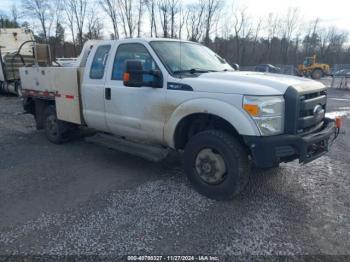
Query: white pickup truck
[180, 95]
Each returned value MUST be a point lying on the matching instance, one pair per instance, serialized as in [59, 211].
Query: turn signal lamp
[253, 110]
[126, 77]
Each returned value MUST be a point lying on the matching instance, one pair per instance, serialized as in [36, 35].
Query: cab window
[136, 52]
[308, 62]
[99, 62]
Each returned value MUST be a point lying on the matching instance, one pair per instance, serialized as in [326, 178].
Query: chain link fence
[341, 76]
[285, 69]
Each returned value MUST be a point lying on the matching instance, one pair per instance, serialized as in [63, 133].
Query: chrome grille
[312, 109]
[300, 107]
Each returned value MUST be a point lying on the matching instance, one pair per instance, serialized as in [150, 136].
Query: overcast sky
[334, 12]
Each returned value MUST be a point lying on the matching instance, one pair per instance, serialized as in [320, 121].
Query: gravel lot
[79, 198]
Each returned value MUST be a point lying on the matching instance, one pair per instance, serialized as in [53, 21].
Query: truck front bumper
[270, 151]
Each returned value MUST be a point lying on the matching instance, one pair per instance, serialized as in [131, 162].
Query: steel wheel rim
[210, 166]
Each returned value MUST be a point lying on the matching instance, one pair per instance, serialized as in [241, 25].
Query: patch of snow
[338, 113]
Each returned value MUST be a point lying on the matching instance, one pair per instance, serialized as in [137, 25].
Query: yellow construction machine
[313, 69]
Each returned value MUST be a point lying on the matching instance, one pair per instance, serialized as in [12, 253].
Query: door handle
[107, 93]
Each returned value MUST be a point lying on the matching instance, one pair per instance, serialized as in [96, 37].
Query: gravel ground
[82, 199]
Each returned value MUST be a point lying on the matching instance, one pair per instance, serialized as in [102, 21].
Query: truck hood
[252, 83]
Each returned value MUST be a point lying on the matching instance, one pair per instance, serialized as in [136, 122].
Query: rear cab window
[99, 62]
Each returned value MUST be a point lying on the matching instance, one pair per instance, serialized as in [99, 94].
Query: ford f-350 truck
[181, 95]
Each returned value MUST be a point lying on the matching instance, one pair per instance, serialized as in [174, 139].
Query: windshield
[182, 57]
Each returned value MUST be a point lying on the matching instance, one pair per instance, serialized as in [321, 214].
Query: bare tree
[139, 17]
[127, 16]
[195, 21]
[312, 37]
[42, 10]
[324, 40]
[164, 13]
[151, 6]
[288, 28]
[182, 20]
[245, 39]
[94, 25]
[174, 10]
[336, 41]
[70, 21]
[239, 23]
[211, 9]
[78, 9]
[111, 9]
[59, 30]
[14, 13]
[238, 37]
[256, 35]
[272, 27]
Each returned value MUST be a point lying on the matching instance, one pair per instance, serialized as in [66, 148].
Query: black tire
[56, 131]
[317, 73]
[235, 158]
[28, 105]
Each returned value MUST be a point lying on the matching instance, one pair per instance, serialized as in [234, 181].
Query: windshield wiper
[193, 71]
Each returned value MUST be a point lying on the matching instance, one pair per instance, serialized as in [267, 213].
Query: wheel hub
[210, 166]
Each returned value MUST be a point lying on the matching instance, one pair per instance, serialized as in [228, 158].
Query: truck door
[93, 91]
[134, 112]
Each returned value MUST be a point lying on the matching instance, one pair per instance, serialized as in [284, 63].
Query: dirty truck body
[182, 96]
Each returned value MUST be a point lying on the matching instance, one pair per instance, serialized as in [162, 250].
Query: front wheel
[216, 164]
[317, 74]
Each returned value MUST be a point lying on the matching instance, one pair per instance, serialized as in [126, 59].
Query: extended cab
[181, 95]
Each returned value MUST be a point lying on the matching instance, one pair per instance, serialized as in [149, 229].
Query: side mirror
[235, 67]
[133, 75]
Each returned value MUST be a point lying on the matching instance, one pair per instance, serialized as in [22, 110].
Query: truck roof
[81, 59]
[150, 39]
[141, 40]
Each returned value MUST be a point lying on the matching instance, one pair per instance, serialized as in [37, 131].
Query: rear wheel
[56, 131]
[316, 74]
[216, 164]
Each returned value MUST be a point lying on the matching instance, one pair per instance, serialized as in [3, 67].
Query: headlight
[267, 112]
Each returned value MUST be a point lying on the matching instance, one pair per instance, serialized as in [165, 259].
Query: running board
[152, 153]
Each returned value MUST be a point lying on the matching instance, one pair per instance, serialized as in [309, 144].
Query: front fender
[238, 118]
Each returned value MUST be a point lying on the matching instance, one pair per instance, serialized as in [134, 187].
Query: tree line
[227, 28]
